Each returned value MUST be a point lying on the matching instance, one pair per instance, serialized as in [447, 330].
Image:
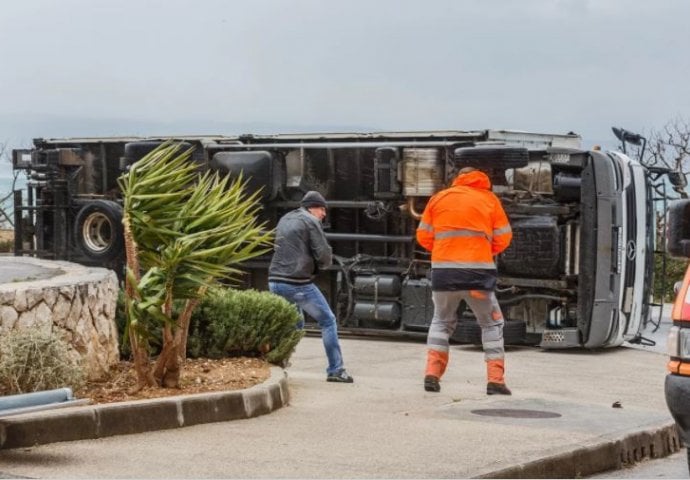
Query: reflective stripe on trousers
[484, 306]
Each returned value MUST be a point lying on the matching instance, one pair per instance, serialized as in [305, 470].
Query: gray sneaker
[341, 376]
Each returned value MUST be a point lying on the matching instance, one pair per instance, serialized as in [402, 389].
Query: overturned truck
[578, 272]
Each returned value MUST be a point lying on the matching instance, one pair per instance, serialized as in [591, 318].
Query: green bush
[233, 323]
[6, 246]
[244, 322]
[675, 270]
[31, 361]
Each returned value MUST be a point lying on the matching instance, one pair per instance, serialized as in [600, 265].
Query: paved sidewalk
[385, 426]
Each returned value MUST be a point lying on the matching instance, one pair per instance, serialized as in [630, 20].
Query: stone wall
[74, 301]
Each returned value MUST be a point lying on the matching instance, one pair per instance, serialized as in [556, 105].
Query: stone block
[211, 408]
[33, 297]
[137, 417]
[20, 301]
[61, 310]
[27, 319]
[274, 395]
[58, 426]
[8, 318]
[50, 296]
[7, 297]
[256, 402]
[74, 313]
[67, 291]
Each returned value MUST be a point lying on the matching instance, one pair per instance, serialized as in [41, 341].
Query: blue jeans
[308, 298]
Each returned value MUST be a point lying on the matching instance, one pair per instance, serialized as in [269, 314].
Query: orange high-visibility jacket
[464, 226]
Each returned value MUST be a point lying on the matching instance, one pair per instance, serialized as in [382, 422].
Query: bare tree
[670, 148]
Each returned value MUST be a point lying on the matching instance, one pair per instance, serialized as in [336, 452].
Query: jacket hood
[475, 179]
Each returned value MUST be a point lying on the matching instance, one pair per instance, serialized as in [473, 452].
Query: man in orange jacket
[464, 226]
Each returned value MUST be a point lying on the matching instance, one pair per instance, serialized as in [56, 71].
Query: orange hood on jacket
[475, 179]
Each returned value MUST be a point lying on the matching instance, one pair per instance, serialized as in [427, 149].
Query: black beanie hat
[313, 199]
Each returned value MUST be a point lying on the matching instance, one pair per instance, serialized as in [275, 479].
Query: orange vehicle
[677, 386]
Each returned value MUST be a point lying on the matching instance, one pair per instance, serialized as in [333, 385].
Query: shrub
[675, 270]
[244, 322]
[233, 323]
[31, 360]
[6, 246]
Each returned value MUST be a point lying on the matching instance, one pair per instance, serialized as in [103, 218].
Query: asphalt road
[386, 426]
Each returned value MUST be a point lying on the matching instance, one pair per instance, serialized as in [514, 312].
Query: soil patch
[198, 376]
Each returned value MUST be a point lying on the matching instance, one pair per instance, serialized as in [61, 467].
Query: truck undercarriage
[377, 186]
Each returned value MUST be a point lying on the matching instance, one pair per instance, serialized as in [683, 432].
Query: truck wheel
[514, 332]
[98, 230]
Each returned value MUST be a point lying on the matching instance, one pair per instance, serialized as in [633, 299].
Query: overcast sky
[78, 67]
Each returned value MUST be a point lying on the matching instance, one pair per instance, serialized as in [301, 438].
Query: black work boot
[493, 388]
[431, 384]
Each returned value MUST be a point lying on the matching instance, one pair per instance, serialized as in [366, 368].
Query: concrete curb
[97, 421]
[611, 454]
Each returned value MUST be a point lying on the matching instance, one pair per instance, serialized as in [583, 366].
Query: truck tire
[514, 332]
[495, 157]
[98, 230]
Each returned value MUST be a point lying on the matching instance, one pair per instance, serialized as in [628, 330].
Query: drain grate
[514, 413]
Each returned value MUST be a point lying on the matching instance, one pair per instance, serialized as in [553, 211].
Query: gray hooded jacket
[301, 249]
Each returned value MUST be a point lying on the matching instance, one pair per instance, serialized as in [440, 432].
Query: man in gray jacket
[300, 250]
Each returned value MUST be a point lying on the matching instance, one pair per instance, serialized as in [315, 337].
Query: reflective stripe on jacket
[464, 226]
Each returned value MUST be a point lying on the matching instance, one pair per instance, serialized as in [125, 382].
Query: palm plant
[183, 232]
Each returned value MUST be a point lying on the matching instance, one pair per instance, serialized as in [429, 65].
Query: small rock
[617, 404]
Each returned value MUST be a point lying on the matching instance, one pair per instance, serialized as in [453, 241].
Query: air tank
[385, 314]
[377, 285]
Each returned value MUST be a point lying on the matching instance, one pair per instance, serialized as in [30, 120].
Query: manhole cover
[515, 413]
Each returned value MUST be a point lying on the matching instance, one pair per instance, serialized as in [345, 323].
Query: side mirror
[678, 240]
[627, 136]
